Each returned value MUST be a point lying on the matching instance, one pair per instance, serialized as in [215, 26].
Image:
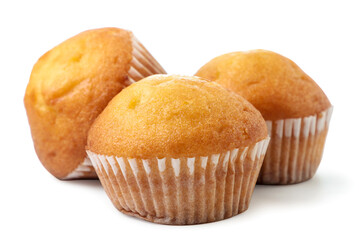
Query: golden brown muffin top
[62, 69]
[175, 116]
[274, 84]
[69, 86]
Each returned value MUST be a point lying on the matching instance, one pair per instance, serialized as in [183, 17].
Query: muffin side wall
[181, 191]
[295, 150]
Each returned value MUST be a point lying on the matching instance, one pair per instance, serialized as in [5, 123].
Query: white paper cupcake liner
[84, 170]
[182, 190]
[295, 149]
[143, 64]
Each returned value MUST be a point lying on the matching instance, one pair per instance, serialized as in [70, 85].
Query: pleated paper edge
[142, 64]
[108, 165]
[83, 170]
[292, 128]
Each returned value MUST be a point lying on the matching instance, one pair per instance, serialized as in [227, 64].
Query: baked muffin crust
[175, 116]
[274, 84]
[69, 87]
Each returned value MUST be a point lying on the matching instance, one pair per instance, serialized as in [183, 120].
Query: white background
[322, 37]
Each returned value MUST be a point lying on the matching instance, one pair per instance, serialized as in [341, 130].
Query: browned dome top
[175, 116]
[274, 84]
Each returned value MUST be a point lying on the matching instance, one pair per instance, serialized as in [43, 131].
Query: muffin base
[182, 190]
[295, 150]
[85, 171]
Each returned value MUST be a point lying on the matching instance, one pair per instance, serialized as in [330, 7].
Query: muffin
[70, 86]
[178, 150]
[296, 110]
